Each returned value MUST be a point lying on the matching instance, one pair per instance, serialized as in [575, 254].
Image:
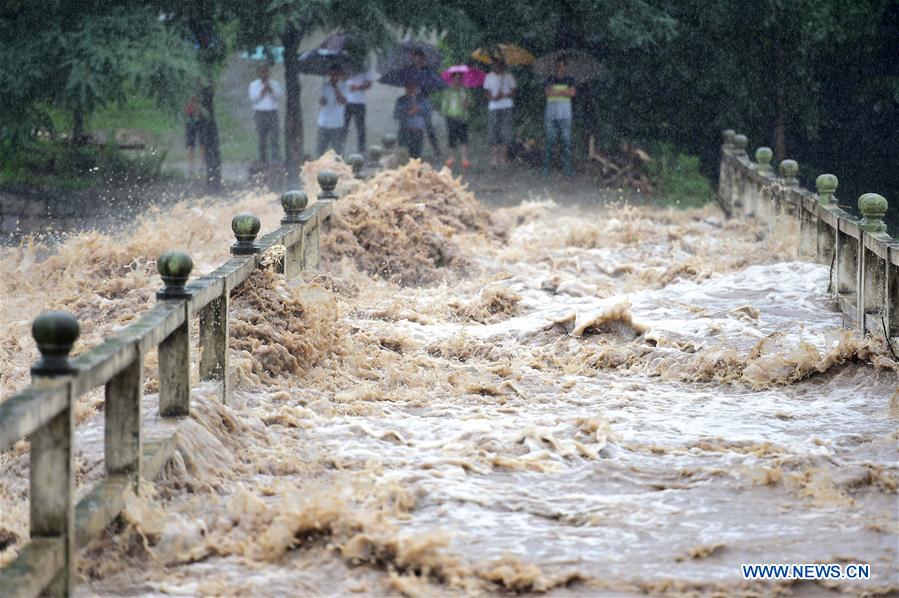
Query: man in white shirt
[355, 106]
[500, 87]
[264, 95]
[332, 113]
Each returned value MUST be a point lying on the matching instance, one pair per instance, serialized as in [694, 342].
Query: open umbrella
[426, 80]
[319, 61]
[471, 76]
[350, 45]
[508, 53]
[582, 66]
[402, 55]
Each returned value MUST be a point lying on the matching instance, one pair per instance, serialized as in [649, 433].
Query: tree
[81, 56]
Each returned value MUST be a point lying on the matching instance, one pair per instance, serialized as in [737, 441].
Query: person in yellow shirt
[455, 102]
[559, 89]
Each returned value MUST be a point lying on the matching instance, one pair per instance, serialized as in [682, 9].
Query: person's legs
[259, 118]
[565, 134]
[338, 137]
[360, 127]
[493, 134]
[505, 133]
[551, 136]
[416, 140]
[321, 141]
[432, 135]
[274, 134]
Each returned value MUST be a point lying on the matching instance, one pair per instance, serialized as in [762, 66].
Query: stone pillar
[826, 235]
[872, 299]
[214, 343]
[52, 470]
[294, 202]
[124, 415]
[356, 162]
[174, 350]
[327, 180]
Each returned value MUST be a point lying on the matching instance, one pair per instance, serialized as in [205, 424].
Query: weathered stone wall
[863, 258]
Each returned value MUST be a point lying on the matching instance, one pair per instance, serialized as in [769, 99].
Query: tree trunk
[78, 126]
[780, 101]
[202, 26]
[293, 112]
[212, 152]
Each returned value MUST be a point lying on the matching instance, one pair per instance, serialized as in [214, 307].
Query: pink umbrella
[471, 76]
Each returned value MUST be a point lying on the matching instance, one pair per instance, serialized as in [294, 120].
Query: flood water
[580, 401]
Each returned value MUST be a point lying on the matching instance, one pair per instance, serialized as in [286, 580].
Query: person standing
[500, 87]
[454, 105]
[354, 111]
[332, 115]
[413, 112]
[264, 96]
[559, 89]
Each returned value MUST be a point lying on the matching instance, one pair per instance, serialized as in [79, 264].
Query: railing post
[327, 180]
[872, 288]
[123, 412]
[847, 263]
[214, 342]
[174, 350]
[294, 202]
[356, 161]
[52, 469]
[826, 184]
[245, 228]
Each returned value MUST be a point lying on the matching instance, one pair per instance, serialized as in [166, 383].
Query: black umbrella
[581, 66]
[402, 56]
[319, 61]
[426, 80]
[351, 46]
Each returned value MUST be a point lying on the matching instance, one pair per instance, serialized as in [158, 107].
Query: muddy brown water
[582, 401]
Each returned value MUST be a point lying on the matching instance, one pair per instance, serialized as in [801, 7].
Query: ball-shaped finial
[375, 152]
[826, 184]
[763, 157]
[293, 202]
[55, 333]
[788, 171]
[727, 136]
[174, 268]
[740, 144]
[245, 227]
[356, 161]
[873, 208]
[389, 142]
[327, 180]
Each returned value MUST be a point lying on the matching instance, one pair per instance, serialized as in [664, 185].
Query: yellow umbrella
[509, 53]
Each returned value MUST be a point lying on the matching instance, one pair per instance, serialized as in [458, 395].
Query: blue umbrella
[426, 80]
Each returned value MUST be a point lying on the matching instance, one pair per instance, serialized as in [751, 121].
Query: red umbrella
[471, 76]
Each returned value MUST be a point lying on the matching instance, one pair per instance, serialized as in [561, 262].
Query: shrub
[677, 179]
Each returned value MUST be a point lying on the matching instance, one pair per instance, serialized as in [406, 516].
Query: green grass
[677, 179]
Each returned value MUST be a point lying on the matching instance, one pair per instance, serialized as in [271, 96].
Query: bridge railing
[864, 259]
[43, 412]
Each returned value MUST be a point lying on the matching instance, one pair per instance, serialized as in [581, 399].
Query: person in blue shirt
[413, 112]
[559, 89]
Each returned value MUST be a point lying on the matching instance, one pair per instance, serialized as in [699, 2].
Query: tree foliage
[80, 56]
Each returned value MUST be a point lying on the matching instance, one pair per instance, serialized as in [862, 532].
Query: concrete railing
[43, 413]
[863, 258]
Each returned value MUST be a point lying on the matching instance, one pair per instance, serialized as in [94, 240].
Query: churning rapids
[590, 401]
